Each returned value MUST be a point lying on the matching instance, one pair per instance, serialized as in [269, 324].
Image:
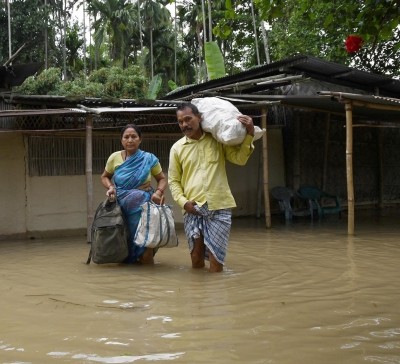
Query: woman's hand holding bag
[156, 227]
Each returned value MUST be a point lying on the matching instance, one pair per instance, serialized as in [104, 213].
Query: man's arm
[175, 178]
[240, 154]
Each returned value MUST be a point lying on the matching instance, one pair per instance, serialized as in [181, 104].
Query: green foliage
[135, 85]
[79, 88]
[214, 61]
[172, 85]
[99, 76]
[116, 25]
[73, 44]
[319, 28]
[29, 19]
[222, 30]
[43, 84]
[311, 27]
[107, 82]
[297, 31]
[28, 87]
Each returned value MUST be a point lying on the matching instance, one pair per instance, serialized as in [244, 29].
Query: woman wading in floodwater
[127, 176]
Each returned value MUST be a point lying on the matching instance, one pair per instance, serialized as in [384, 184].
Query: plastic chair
[286, 197]
[321, 201]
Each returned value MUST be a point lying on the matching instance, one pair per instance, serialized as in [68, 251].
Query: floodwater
[296, 293]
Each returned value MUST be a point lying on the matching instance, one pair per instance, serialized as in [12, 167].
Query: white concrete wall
[12, 184]
[37, 206]
[59, 203]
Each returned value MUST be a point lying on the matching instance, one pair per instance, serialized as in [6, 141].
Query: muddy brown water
[296, 293]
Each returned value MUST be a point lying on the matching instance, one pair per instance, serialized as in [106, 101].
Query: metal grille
[48, 122]
[56, 156]
[65, 155]
[7, 122]
[150, 122]
[157, 123]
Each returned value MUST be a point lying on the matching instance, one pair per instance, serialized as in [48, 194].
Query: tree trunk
[209, 21]
[9, 30]
[255, 31]
[140, 27]
[204, 21]
[46, 55]
[151, 52]
[175, 45]
[64, 43]
[84, 40]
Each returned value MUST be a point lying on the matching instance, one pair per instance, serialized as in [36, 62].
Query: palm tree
[115, 24]
[191, 17]
[155, 16]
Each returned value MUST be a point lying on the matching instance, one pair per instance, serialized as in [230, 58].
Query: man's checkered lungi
[214, 225]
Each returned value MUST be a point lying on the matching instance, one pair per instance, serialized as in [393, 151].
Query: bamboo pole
[259, 185]
[380, 168]
[375, 106]
[326, 151]
[267, 206]
[89, 175]
[349, 166]
[296, 152]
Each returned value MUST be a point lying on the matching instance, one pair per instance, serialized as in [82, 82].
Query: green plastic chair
[324, 203]
[286, 197]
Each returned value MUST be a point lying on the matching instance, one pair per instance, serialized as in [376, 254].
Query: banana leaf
[214, 61]
[155, 87]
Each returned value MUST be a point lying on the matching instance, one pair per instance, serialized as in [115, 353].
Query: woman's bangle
[111, 186]
[159, 189]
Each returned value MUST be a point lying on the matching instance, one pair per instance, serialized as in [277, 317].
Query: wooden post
[267, 206]
[89, 175]
[349, 166]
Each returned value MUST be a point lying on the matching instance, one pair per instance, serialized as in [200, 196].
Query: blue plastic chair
[321, 201]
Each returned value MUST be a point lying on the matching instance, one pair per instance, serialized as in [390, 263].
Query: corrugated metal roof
[37, 112]
[72, 101]
[388, 101]
[307, 66]
[370, 107]
[110, 110]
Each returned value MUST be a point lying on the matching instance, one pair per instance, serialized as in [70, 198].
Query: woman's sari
[127, 178]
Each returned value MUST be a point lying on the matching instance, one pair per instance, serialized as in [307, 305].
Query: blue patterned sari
[127, 178]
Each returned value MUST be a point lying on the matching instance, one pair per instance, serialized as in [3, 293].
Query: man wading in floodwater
[199, 185]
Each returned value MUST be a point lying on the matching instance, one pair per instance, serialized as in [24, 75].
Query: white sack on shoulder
[220, 119]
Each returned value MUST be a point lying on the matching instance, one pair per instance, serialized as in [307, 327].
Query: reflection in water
[117, 359]
[296, 293]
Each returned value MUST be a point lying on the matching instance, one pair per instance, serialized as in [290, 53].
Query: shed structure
[47, 149]
[312, 107]
[306, 86]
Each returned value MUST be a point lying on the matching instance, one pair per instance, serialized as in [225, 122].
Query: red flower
[353, 43]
